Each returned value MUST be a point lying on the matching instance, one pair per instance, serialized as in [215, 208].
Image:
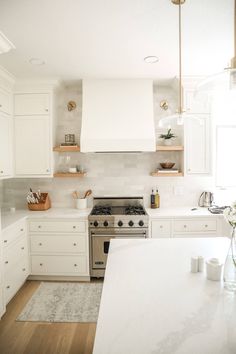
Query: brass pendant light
[178, 116]
[225, 79]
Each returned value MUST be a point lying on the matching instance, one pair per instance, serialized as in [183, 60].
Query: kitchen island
[152, 304]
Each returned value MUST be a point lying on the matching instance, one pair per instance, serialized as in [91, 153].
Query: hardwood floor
[38, 337]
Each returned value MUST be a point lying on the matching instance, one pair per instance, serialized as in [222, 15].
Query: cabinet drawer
[58, 244]
[13, 232]
[161, 228]
[5, 101]
[15, 278]
[31, 104]
[59, 265]
[203, 225]
[57, 226]
[13, 254]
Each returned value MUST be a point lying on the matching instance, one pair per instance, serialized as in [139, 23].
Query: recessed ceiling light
[36, 61]
[151, 59]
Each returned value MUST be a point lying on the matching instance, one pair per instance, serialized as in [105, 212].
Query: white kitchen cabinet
[32, 146]
[196, 102]
[28, 104]
[59, 248]
[186, 227]
[33, 133]
[161, 228]
[197, 145]
[15, 258]
[6, 159]
[2, 301]
[5, 101]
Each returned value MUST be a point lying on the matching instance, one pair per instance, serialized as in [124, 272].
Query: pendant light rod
[180, 100]
[233, 60]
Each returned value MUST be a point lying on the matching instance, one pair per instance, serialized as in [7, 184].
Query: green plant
[168, 135]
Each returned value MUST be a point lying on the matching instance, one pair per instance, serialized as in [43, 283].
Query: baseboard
[58, 278]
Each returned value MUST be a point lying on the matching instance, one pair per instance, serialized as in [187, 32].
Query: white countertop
[180, 212]
[152, 304]
[8, 218]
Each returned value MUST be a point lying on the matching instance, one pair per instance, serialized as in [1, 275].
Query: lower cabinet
[15, 258]
[186, 227]
[59, 247]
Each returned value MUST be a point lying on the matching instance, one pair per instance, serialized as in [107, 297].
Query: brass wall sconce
[164, 105]
[71, 105]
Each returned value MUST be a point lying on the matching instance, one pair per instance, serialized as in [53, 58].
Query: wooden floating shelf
[67, 148]
[170, 174]
[67, 174]
[170, 148]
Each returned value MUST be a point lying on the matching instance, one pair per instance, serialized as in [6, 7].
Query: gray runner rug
[63, 302]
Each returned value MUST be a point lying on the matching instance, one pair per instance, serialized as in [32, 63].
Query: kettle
[205, 199]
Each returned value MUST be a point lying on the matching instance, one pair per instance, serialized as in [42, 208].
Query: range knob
[95, 223]
[120, 223]
[141, 223]
[105, 223]
[131, 223]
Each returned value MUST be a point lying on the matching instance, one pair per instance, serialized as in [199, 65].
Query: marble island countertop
[152, 304]
[8, 218]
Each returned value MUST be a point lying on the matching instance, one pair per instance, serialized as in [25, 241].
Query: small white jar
[214, 269]
[81, 203]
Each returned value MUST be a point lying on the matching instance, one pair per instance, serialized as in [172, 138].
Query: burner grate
[134, 210]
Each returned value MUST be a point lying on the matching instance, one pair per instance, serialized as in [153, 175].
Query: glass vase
[230, 265]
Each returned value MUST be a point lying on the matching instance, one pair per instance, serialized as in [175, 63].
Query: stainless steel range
[114, 217]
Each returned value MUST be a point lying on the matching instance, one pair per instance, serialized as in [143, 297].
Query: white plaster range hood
[117, 116]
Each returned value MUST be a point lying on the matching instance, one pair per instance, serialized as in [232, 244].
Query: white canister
[81, 203]
[214, 269]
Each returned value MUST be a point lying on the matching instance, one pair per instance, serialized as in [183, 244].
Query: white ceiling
[109, 38]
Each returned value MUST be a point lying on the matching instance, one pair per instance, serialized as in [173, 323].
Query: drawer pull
[23, 269]
[75, 265]
[40, 244]
[74, 227]
[6, 262]
[1, 171]
[8, 286]
[161, 226]
[5, 241]
[185, 226]
[22, 248]
[46, 109]
[74, 244]
[21, 230]
[206, 225]
[40, 264]
[39, 226]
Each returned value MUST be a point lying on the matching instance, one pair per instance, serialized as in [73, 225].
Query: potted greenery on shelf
[167, 138]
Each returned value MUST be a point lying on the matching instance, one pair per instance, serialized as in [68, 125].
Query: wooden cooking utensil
[87, 193]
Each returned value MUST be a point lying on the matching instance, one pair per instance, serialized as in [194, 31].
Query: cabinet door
[32, 145]
[160, 228]
[5, 101]
[5, 146]
[197, 102]
[31, 104]
[197, 145]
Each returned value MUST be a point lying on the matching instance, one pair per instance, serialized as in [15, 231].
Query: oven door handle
[94, 234]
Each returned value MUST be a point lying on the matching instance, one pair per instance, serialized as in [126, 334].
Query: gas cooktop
[118, 210]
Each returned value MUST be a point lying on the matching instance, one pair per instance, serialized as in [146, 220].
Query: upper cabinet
[197, 130]
[33, 134]
[6, 126]
[5, 101]
[32, 104]
[196, 102]
[6, 160]
[197, 142]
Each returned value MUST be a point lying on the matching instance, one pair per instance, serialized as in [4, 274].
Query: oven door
[100, 249]
[100, 243]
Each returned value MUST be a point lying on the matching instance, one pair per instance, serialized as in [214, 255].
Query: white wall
[119, 174]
